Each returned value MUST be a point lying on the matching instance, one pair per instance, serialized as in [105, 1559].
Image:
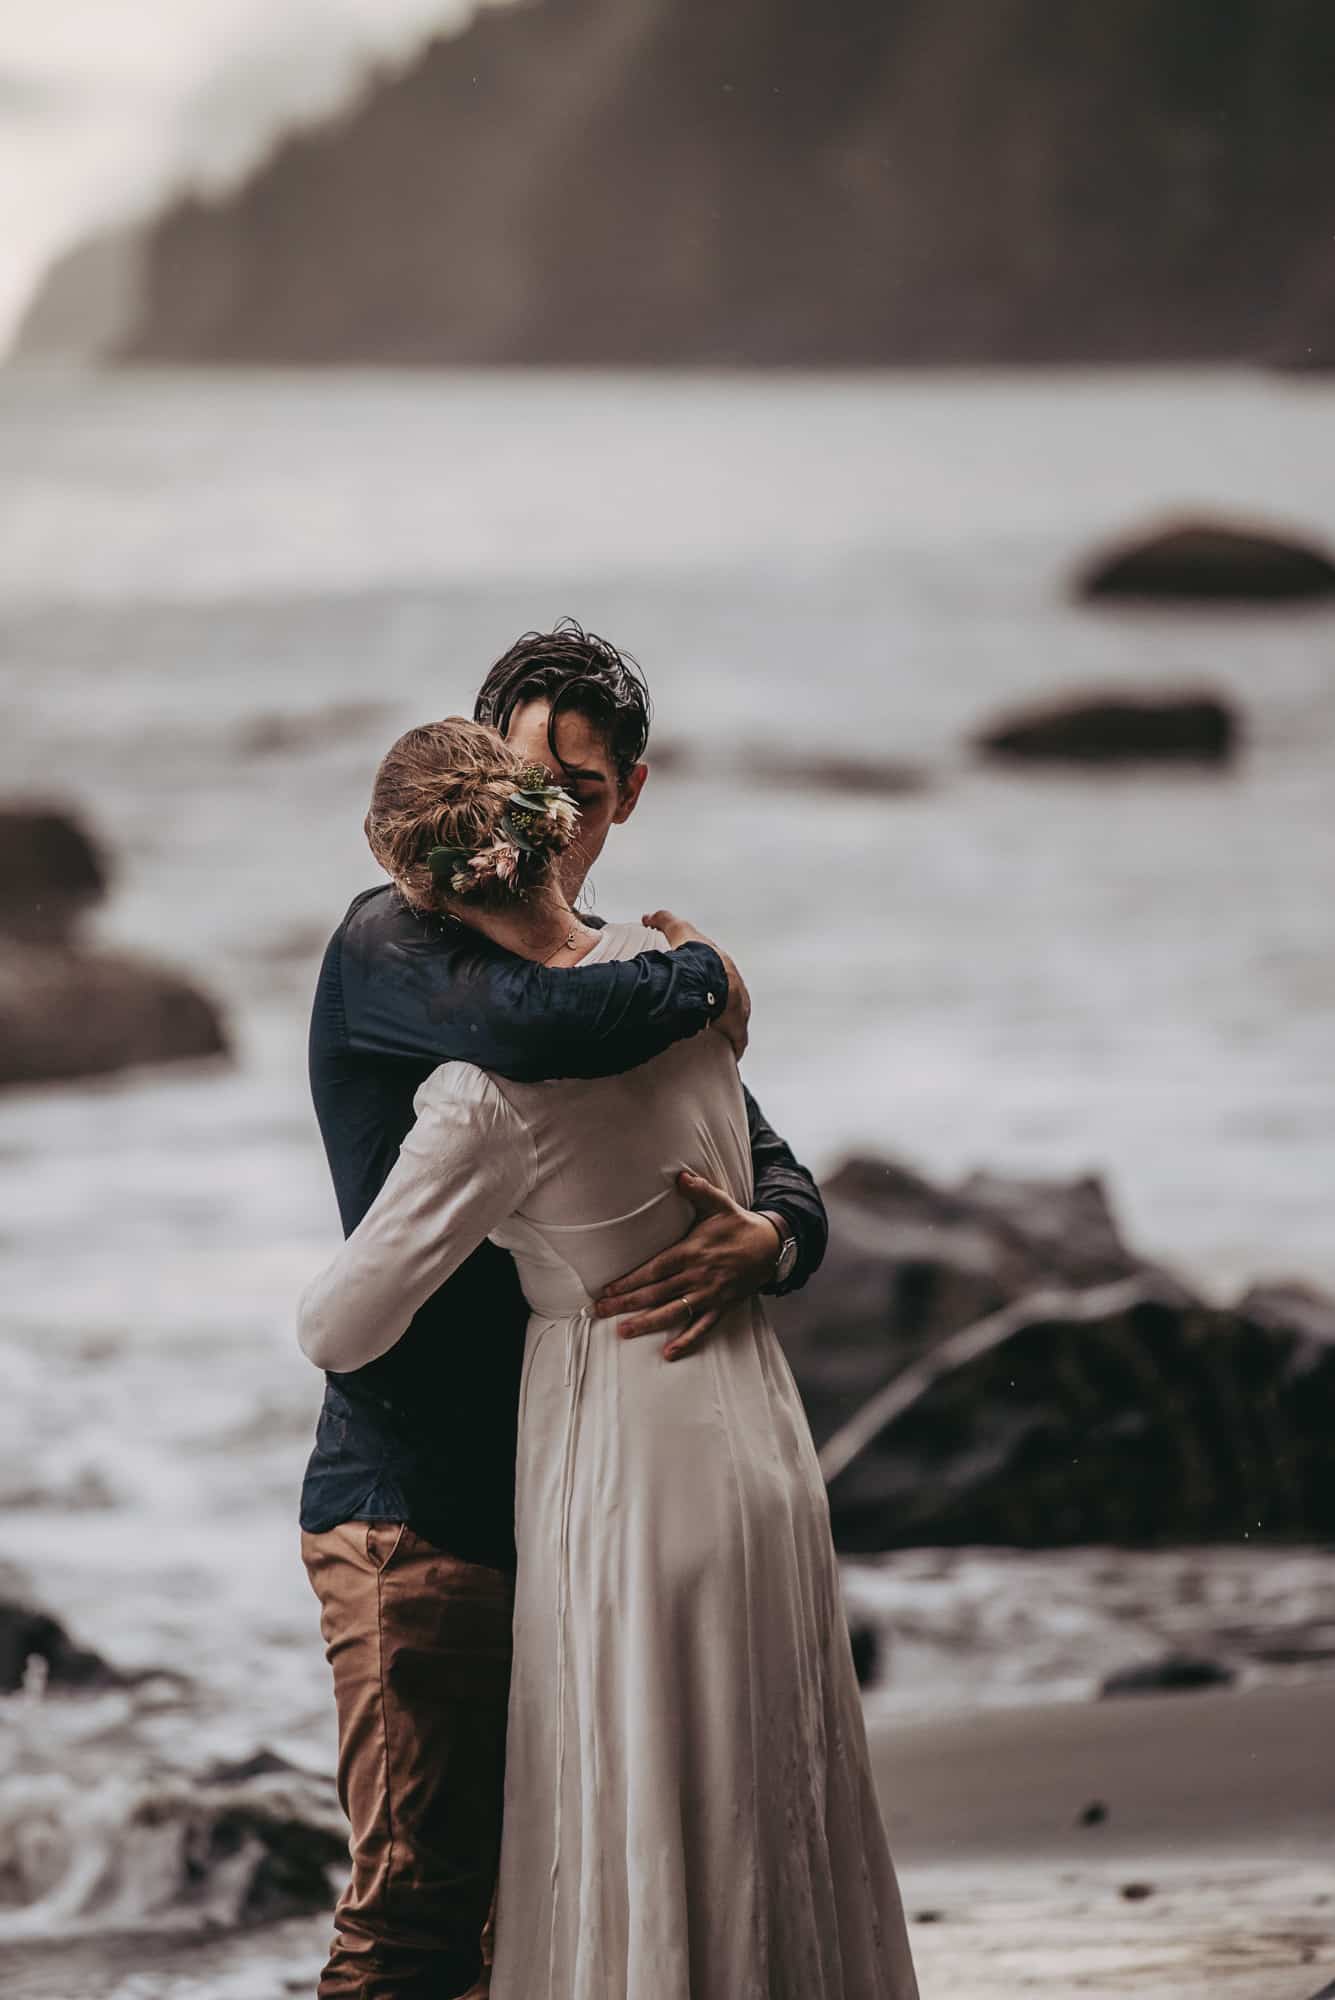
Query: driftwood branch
[905, 1388]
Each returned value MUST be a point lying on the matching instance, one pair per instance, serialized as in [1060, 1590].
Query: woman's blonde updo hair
[443, 819]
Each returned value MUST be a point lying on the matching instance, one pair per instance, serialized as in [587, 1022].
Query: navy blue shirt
[426, 1434]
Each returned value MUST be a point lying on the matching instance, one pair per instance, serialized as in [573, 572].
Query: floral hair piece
[539, 818]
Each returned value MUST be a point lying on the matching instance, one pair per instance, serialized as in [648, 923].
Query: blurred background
[936, 400]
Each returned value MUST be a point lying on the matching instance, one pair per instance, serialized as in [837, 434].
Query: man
[408, 1505]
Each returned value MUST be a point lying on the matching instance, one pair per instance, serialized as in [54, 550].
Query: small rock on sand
[1179, 1673]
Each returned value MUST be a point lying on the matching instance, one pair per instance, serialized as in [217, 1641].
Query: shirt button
[711, 1000]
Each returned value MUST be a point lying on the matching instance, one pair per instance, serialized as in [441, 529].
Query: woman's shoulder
[628, 940]
[458, 1089]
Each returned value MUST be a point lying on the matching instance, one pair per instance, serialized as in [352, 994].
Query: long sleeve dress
[689, 1809]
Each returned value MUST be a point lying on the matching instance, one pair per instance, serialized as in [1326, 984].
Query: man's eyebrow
[594, 777]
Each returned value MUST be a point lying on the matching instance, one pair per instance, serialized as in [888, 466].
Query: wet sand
[1210, 1869]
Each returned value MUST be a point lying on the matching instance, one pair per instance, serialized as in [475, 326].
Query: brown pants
[419, 1643]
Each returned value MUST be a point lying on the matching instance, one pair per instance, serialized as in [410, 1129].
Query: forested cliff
[772, 181]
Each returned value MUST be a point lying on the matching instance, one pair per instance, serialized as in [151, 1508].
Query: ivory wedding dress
[689, 1810]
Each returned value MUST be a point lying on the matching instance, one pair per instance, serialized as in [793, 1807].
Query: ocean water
[221, 596]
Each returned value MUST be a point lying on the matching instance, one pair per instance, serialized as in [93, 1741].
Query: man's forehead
[579, 741]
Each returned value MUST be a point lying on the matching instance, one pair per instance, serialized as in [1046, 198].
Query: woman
[689, 1808]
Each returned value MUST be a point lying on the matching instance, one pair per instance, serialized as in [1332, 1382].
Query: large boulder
[1152, 1420]
[910, 1262]
[1062, 1229]
[67, 1014]
[924, 1259]
[51, 871]
[1196, 728]
[1211, 560]
[990, 1363]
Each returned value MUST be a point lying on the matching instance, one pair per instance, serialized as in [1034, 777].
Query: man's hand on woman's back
[683, 1292]
[735, 1020]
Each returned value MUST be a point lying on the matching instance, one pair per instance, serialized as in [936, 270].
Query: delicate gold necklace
[566, 943]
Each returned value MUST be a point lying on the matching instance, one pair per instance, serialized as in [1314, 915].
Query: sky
[107, 105]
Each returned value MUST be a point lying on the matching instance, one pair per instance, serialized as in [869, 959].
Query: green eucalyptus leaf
[443, 862]
[514, 833]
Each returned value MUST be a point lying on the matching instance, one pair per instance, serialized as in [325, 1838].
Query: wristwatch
[787, 1263]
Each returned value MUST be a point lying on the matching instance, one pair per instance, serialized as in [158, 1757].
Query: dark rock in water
[1136, 1892]
[1119, 729]
[989, 1363]
[281, 735]
[68, 1014]
[29, 1634]
[50, 872]
[855, 777]
[910, 1262]
[157, 1849]
[891, 1283]
[292, 1856]
[1305, 1653]
[866, 1643]
[1292, 1306]
[259, 1764]
[891, 1190]
[1212, 560]
[1131, 1415]
[1179, 1673]
[1019, 1230]
[1066, 1227]
[1094, 1814]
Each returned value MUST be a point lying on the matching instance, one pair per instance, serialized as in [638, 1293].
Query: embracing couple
[566, 1566]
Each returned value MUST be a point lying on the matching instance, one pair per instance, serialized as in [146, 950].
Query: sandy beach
[1208, 1871]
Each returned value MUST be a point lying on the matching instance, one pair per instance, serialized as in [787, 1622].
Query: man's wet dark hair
[572, 669]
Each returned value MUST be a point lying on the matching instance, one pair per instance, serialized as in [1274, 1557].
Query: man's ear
[630, 794]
